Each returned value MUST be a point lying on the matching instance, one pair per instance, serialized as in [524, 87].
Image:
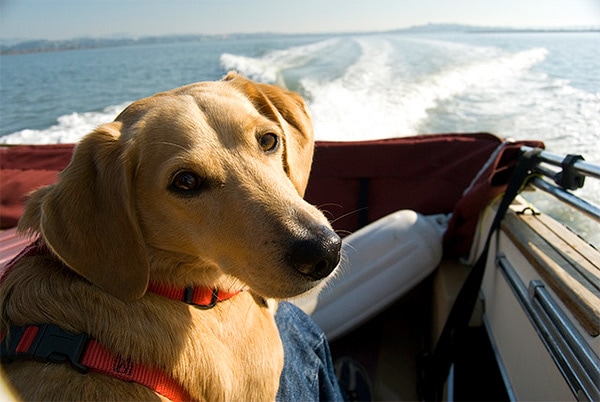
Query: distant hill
[433, 28]
[44, 45]
[13, 46]
[459, 28]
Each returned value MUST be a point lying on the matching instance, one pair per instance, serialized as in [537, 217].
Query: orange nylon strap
[204, 298]
[99, 359]
[48, 343]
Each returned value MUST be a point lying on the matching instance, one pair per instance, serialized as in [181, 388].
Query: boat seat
[381, 262]
[11, 244]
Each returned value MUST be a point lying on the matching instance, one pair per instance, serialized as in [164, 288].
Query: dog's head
[193, 186]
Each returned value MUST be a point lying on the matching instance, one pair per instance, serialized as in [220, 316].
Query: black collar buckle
[188, 297]
[44, 343]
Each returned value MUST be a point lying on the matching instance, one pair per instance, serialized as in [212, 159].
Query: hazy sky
[61, 19]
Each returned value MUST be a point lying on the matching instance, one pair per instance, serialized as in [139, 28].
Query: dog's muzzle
[316, 254]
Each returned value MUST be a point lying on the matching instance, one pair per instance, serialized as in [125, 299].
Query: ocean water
[516, 85]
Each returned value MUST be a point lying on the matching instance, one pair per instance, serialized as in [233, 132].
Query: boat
[453, 286]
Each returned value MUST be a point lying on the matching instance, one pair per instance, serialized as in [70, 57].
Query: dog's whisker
[327, 213]
[329, 204]
[348, 214]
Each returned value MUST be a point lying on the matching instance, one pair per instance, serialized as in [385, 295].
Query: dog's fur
[116, 219]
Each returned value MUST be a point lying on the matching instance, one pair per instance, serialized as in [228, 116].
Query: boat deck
[566, 263]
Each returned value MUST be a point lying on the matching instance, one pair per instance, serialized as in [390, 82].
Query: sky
[65, 19]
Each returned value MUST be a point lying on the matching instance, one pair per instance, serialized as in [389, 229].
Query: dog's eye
[269, 142]
[186, 182]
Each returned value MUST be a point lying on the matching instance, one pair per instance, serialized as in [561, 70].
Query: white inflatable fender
[380, 263]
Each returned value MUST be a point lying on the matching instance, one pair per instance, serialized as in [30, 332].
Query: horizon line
[126, 35]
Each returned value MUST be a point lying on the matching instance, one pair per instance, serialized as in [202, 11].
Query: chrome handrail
[581, 166]
[575, 169]
[577, 361]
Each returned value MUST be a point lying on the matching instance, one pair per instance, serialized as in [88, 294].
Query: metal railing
[570, 175]
[576, 360]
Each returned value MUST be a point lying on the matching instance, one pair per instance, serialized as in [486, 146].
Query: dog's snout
[317, 254]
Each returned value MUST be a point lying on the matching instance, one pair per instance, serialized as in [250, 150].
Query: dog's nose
[316, 254]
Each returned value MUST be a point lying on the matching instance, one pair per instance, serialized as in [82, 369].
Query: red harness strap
[50, 343]
[103, 361]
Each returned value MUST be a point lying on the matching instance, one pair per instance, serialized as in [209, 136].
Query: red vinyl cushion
[354, 183]
[23, 169]
[426, 173]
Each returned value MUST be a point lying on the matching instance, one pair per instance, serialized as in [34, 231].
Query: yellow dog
[192, 189]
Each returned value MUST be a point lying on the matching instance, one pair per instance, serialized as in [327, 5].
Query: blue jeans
[307, 368]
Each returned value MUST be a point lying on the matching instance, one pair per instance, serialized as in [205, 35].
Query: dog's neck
[182, 270]
[197, 296]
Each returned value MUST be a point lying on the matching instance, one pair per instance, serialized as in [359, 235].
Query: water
[517, 85]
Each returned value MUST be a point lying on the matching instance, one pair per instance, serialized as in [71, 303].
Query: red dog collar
[200, 297]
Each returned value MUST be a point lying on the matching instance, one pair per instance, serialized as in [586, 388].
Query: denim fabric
[307, 369]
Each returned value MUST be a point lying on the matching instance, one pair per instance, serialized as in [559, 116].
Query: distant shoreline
[555, 30]
[44, 45]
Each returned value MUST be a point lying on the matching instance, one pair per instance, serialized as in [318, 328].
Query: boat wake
[69, 128]
[379, 86]
[269, 67]
[380, 94]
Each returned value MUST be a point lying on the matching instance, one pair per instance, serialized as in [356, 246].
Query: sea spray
[69, 128]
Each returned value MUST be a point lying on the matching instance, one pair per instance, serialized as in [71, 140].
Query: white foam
[360, 102]
[268, 67]
[70, 128]
[371, 101]
[375, 97]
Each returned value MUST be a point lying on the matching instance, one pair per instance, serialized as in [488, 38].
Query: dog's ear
[88, 218]
[290, 110]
